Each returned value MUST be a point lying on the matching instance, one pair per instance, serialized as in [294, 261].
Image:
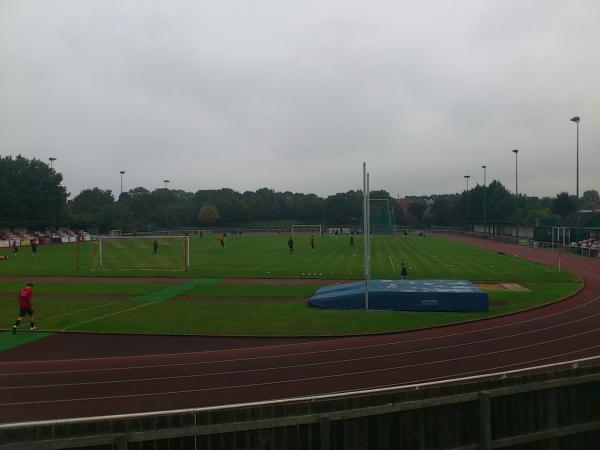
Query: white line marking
[295, 380]
[392, 263]
[199, 363]
[483, 371]
[113, 314]
[296, 366]
[78, 311]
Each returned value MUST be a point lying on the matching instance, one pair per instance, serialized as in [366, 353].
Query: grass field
[267, 256]
[208, 304]
[214, 308]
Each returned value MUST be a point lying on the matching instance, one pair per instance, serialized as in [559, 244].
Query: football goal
[168, 253]
[381, 216]
[306, 229]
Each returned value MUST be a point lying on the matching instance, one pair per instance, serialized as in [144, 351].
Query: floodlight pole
[166, 183]
[365, 235]
[51, 159]
[576, 119]
[122, 172]
[369, 224]
[516, 152]
[467, 202]
[484, 201]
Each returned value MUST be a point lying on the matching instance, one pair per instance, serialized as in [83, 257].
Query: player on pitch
[155, 247]
[25, 307]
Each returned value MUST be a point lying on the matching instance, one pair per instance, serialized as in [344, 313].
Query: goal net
[381, 216]
[168, 253]
[306, 229]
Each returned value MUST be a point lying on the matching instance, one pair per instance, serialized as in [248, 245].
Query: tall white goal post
[306, 229]
[160, 253]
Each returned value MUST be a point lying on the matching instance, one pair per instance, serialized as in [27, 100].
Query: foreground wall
[553, 410]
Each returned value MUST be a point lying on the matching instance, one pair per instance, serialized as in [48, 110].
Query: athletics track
[79, 375]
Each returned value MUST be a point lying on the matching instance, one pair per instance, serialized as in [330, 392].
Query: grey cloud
[295, 95]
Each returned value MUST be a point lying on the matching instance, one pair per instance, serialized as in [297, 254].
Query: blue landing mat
[404, 295]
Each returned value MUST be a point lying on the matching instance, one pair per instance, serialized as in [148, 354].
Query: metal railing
[570, 249]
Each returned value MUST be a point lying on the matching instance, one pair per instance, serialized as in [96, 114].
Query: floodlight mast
[366, 234]
[369, 226]
[516, 152]
[484, 201]
[122, 172]
[576, 119]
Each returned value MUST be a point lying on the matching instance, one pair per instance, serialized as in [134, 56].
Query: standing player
[155, 247]
[404, 272]
[25, 307]
[33, 248]
[351, 240]
[312, 241]
[15, 248]
[222, 240]
[291, 244]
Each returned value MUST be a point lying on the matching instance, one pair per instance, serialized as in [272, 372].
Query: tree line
[32, 195]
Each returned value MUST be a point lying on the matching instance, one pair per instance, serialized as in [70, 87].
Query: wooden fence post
[324, 433]
[121, 442]
[552, 416]
[485, 420]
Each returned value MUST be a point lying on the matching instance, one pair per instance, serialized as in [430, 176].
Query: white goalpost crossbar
[306, 229]
[180, 258]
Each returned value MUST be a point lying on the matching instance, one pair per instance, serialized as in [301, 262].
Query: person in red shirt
[25, 307]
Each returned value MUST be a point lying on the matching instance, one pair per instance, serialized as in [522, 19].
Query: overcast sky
[294, 95]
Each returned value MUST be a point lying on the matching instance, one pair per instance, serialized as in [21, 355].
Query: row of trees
[32, 195]
[495, 203]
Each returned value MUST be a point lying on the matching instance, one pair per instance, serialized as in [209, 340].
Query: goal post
[160, 253]
[306, 229]
[381, 216]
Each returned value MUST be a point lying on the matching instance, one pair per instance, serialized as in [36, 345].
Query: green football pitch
[267, 256]
[231, 291]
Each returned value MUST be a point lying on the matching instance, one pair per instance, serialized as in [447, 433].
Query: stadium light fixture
[576, 119]
[516, 152]
[166, 183]
[51, 159]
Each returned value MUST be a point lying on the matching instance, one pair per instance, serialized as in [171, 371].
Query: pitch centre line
[392, 263]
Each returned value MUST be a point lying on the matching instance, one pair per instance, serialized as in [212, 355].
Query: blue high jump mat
[404, 295]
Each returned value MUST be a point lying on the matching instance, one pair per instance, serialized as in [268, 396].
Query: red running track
[81, 375]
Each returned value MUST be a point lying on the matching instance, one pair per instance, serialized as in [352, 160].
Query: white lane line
[392, 263]
[312, 353]
[110, 315]
[297, 380]
[301, 344]
[495, 369]
[295, 366]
